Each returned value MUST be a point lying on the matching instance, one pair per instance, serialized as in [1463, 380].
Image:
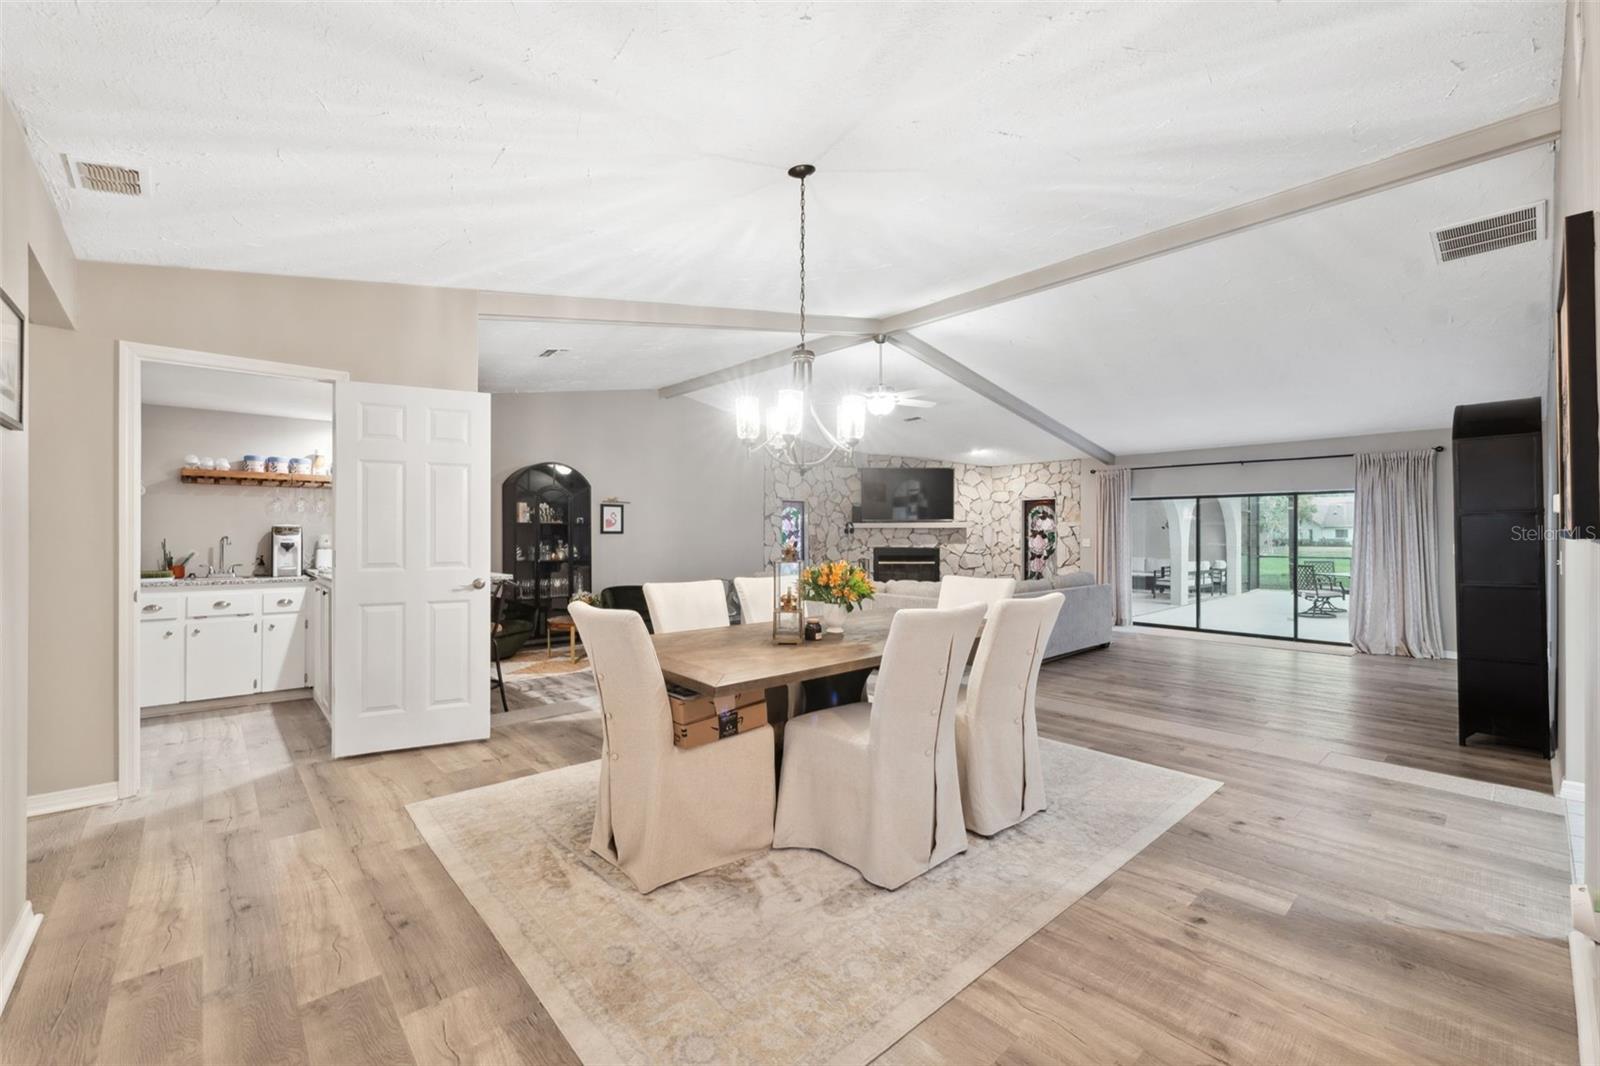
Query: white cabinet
[283, 652]
[223, 658]
[160, 662]
[319, 644]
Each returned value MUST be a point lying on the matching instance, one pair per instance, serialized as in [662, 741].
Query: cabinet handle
[272, 627]
[168, 633]
[285, 602]
[221, 605]
[150, 607]
[196, 631]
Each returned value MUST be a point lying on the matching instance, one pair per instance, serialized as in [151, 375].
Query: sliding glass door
[1261, 565]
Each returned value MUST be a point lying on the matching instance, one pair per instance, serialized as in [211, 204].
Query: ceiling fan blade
[909, 393]
[903, 402]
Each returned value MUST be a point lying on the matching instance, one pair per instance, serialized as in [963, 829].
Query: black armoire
[1500, 595]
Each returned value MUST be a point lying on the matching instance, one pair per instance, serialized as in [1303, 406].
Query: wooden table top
[560, 625]
[729, 659]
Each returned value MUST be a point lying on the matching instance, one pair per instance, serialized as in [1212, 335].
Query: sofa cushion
[1033, 586]
[1073, 580]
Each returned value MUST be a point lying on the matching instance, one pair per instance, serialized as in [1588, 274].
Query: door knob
[478, 583]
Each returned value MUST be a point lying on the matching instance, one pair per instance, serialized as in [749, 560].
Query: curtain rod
[1247, 462]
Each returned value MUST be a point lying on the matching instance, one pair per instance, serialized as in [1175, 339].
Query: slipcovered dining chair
[875, 785]
[678, 605]
[654, 820]
[958, 591]
[997, 732]
[755, 599]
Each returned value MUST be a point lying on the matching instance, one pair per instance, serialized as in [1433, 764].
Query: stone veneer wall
[989, 498]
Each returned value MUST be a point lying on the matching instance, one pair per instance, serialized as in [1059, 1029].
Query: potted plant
[839, 587]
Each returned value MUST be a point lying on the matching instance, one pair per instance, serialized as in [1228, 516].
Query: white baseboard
[15, 952]
[70, 799]
[1571, 790]
[1582, 950]
[1448, 654]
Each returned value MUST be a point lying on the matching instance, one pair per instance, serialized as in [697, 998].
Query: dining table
[725, 661]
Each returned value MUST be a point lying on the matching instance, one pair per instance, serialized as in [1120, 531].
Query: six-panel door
[411, 606]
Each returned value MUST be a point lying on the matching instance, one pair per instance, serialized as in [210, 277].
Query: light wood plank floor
[262, 903]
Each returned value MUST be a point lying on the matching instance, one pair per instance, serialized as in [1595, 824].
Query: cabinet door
[223, 658]
[313, 631]
[283, 652]
[160, 662]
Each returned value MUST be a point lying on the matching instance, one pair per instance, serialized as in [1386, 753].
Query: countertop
[167, 584]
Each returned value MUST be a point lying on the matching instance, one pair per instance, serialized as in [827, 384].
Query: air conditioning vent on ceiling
[104, 177]
[1522, 226]
[548, 352]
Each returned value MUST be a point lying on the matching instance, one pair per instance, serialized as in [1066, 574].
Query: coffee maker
[286, 561]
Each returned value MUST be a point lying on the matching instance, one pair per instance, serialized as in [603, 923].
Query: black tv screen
[908, 494]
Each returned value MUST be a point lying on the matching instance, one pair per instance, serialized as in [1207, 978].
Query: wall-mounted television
[907, 494]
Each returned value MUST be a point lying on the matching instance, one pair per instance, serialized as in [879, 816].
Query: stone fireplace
[905, 564]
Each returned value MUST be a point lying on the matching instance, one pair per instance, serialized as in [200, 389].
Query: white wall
[195, 517]
[1305, 476]
[692, 492]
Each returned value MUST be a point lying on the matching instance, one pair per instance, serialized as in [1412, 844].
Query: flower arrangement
[838, 582]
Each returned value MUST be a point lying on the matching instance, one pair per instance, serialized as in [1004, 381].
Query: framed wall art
[611, 518]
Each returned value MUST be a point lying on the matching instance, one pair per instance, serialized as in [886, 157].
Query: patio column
[1180, 538]
[1233, 539]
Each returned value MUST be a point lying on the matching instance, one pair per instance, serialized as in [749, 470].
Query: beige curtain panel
[1111, 546]
[1394, 575]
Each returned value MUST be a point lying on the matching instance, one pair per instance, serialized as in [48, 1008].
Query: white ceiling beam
[528, 307]
[960, 373]
[1474, 146]
[759, 365]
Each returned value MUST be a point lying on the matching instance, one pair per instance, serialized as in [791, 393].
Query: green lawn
[1275, 568]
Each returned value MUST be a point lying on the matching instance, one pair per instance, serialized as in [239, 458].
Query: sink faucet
[222, 553]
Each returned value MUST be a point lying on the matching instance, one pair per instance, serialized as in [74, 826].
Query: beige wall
[37, 272]
[386, 333]
[194, 518]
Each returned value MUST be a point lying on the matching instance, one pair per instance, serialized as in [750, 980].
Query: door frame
[131, 357]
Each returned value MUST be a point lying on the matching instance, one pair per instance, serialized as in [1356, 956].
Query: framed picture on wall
[11, 339]
[611, 518]
[1578, 397]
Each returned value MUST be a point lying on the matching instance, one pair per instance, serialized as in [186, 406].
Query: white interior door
[410, 648]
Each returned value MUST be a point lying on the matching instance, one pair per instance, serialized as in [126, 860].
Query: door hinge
[256, 628]
[255, 684]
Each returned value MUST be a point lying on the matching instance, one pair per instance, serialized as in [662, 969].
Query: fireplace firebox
[905, 564]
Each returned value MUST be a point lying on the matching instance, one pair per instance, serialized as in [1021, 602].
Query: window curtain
[1394, 575]
[1111, 545]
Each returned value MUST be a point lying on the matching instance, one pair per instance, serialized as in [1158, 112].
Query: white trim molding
[12, 956]
[1572, 790]
[1582, 950]
[70, 799]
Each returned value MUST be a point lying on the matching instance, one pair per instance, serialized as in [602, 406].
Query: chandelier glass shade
[782, 433]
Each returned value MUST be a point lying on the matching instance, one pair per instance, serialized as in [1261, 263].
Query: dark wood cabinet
[1500, 594]
[545, 540]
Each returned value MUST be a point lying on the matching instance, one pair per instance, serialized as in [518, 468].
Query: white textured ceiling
[1335, 323]
[637, 151]
[208, 389]
[608, 357]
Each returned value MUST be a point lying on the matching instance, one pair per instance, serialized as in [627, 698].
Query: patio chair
[1321, 589]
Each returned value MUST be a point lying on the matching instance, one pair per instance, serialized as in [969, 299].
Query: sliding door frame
[1294, 564]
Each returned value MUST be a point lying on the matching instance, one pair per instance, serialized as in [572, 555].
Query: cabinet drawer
[283, 600]
[222, 603]
[159, 605]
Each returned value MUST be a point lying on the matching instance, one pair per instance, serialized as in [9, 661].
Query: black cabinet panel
[1501, 549]
[1493, 622]
[1499, 469]
[1507, 700]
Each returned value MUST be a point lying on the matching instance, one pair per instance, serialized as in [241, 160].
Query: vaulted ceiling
[637, 152]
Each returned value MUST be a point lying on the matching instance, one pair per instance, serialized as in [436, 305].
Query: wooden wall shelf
[194, 475]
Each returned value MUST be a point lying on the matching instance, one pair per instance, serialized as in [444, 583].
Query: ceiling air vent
[548, 352]
[104, 177]
[1522, 226]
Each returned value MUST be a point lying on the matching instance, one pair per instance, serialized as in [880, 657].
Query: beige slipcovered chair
[654, 819]
[875, 785]
[997, 732]
[678, 605]
[958, 591]
[755, 599]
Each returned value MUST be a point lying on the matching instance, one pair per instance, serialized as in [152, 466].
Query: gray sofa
[1085, 620]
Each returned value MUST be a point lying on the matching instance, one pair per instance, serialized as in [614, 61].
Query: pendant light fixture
[783, 436]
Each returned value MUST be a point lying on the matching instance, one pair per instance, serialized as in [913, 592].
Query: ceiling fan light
[880, 401]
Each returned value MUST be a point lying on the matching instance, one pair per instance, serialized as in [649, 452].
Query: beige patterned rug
[788, 956]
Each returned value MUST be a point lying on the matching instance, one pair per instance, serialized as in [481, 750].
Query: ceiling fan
[882, 400]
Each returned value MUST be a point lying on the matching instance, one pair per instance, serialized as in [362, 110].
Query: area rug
[787, 956]
[540, 690]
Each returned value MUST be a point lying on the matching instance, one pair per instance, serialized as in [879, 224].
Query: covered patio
[1259, 612]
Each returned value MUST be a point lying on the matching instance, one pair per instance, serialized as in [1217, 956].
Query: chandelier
[784, 434]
